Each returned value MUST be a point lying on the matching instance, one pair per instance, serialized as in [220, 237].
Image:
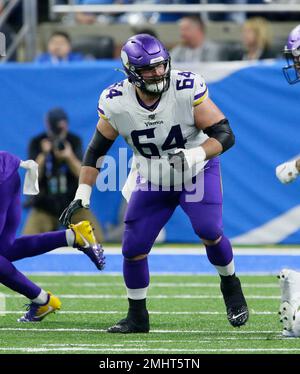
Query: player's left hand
[287, 172]
[183, 159]
[66, 216]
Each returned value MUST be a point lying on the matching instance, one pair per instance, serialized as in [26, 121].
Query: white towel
[130, 184]
[31, 182]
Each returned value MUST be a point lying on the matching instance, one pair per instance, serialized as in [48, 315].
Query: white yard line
[162, 341]
[183, 313]
[163, 296]
[108, 349]
[238, 332]
[156, 285]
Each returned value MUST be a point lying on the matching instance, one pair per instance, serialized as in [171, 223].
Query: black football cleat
[236, 305]
[130, 326]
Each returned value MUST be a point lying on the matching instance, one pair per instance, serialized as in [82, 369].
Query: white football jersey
[153, 134]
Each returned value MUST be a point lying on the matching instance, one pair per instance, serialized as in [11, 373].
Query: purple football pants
[149, 211]
[12, 249]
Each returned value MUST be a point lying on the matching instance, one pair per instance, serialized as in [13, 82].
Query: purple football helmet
[143, 51]
[292, 54]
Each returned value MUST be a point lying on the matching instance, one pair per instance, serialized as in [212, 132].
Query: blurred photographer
[58, 153]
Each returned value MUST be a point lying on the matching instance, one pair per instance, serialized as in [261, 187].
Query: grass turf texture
[187, 316]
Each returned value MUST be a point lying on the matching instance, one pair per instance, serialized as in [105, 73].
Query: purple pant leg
[34, 245]
[206, 214]
[147, 213]
[25, 246]
[136, 273]
[16, 281]
[10, 213]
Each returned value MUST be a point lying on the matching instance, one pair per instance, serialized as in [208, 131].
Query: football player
[176, 133]
[286, 173]
[79, 236]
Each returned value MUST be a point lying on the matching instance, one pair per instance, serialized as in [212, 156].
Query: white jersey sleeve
[200, 90]
[109, 103]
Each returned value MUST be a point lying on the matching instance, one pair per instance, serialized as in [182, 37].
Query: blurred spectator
[90, 18]
[9, 33]
[58, 153]
[136, 30]
[256, 39]
[239, 17]
[153, 17]
[59, 49]
[194, 45]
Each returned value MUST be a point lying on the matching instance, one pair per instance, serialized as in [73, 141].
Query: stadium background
[262, 109]
[261, 216]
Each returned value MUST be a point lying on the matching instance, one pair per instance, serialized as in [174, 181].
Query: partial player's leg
[42, 302]
[147, 213]
[289, 309]
[79, 236]
[206, 219]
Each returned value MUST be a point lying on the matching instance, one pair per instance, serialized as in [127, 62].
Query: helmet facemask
[292, 55]
[155, 84]
[292, 70]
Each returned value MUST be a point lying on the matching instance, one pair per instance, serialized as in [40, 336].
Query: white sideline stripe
[195, 250]
[151, 312]
[96, 296]
[238, 332]
[153, 273]
[90, 349]
[191, 251]
[158, 285]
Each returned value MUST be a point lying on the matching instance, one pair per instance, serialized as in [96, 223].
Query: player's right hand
[66, 216]
[287, 172]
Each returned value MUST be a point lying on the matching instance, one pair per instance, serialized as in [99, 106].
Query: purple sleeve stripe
[101, 111]
[196, 97]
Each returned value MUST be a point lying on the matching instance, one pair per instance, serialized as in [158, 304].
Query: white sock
[227, 269]
[137, 293]
[70, 237]
[42, 298]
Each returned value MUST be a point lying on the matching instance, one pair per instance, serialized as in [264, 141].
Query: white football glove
[188, 157]
[287, 172]
[83, 193]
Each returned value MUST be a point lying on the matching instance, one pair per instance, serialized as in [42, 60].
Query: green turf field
[187, 316]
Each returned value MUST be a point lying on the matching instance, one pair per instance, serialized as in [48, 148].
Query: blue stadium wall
[264, 112]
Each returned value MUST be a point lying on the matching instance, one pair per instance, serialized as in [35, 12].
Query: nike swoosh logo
[238, 315]
[49, 310]
[86, 243]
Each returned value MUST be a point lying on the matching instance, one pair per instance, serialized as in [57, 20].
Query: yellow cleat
[86, 242]
[84, 236]
[36, 312]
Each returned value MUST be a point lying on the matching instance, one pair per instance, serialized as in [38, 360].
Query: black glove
[67, 214]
